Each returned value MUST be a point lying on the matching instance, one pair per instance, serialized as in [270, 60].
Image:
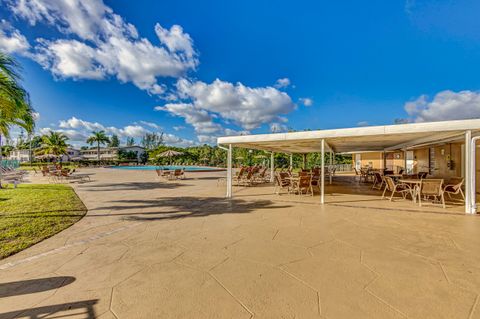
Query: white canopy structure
[363, 139]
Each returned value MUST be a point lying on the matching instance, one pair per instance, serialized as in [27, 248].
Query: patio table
[414, 183]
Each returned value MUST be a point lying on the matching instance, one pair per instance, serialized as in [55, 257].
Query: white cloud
[79, 130]
[306, 101]
[85, 18]
[70, 58]
[75, 123]
[207, 139]
[175, 39]
[107, 44]
[201, 120]
[179, 128]
[363, 123]
[278, 128]
[445, 105]
[11, 40]
[245, 106]
[282, 83]
[174, 140]
[151, 125]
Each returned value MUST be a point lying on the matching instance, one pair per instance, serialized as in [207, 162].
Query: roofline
[441, 126]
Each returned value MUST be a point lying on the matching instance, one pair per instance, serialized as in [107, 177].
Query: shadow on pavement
[78, 309]
[134, 186]
[186, 206]
[25, 287]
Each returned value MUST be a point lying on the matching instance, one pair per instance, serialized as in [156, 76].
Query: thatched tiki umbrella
[170, 154]
[46, 156]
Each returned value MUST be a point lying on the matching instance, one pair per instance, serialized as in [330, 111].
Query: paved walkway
[154, 249]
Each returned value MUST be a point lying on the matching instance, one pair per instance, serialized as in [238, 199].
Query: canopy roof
[358, 139]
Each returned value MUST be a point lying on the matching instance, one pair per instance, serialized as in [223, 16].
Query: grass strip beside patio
[31, 213]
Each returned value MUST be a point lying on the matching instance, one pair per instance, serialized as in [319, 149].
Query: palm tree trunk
[98, 151]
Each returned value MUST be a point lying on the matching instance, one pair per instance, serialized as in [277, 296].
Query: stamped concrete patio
[156, 249]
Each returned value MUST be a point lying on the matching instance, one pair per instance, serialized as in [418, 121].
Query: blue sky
[200, 69]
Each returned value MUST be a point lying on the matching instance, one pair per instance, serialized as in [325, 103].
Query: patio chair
[377, 181]
[315, 182]
[248, 180]
[364, 174]
[394, 188]
[454, 188]
[179, 173]
[238, 177]
[431, 188]
[422, 175]
[303, 184]
[167, 174]
[68, 175]
[281, 182]
[261, 177]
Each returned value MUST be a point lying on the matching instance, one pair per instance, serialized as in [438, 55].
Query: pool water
[169, 167]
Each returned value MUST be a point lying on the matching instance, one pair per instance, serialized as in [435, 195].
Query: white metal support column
[322, 177]
[291, 161]
[330, 168]
[468, 171]
[229, 172]
[272, 167]
[473, 174]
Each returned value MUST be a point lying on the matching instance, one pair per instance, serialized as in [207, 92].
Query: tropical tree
[114, 141]
[54, 143]
[130, 141]
[98, 137]
[15, 106]
[152, 141]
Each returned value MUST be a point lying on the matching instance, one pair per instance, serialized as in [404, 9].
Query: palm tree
[98, 137]
[54, 143]
[15, 106]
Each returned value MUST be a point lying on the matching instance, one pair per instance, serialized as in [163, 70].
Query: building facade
[24, 155]
[19, 155]
[444, 160]
[111, 153]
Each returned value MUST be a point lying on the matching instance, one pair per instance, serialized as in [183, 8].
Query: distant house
[19, 155]
[110, 153]
[24, 155]
[72, 154]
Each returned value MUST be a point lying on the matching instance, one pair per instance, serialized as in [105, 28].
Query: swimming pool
[170, 167]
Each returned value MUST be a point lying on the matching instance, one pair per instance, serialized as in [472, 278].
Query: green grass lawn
[31, 213]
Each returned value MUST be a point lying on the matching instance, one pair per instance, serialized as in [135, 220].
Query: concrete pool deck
[155, 249]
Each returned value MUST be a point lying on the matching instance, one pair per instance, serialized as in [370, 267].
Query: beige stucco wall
[394, 160]
[374, 160]
[443, 154]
